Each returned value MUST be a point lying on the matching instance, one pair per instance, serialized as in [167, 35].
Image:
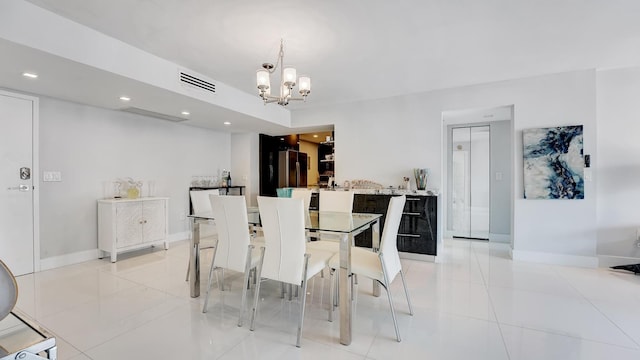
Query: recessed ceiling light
[30, 75]
[227, 123]
[125, 98]
[186, 113]
[315, 135]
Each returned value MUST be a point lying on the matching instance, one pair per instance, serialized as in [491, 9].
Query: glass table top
[17, 334]
[317, 221]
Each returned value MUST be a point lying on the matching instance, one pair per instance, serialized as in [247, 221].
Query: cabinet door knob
[145, 221]
[140, 222]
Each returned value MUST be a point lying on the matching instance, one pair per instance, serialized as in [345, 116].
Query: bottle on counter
[229, 180]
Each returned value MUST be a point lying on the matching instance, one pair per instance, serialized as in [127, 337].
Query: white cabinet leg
[166, 245]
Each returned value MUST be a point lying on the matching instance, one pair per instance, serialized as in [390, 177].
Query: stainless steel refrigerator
[292, 169]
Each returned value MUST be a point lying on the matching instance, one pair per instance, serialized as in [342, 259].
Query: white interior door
[16, 183]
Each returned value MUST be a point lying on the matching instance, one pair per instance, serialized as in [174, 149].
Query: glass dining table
[20, 338]
[346, 225]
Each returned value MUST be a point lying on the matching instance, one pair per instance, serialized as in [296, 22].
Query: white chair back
[200, 200]
[285, 244]
[304, 194]
[8, 291]
[230, 214]
[339, 201]
[388, 240]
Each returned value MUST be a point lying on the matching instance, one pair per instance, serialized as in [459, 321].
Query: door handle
[22, 188]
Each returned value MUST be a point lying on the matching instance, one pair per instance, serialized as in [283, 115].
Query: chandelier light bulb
[262, 79]
[304, 85]
[289, 77]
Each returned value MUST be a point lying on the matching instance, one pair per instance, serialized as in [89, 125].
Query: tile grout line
[493, 309]
[599, 311]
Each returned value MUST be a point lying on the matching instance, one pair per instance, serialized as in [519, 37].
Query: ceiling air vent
[153, 114]
[197, 82]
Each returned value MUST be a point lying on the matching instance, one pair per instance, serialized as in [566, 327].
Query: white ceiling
[367, 49]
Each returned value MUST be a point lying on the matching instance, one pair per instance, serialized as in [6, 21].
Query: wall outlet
[182, 216]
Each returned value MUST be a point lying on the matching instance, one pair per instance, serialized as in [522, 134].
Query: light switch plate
[588, 174]
[498, 176]
[51, 176]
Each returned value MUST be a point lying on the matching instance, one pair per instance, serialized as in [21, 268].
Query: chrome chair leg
[247, 271]
[406, 292]
[331, 295]
[211, 270]
[386, 287]
[221, 283]
[254, 310]
[304, 298]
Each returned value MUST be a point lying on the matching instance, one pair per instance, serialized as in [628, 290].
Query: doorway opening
[477, 161]
[469, 201]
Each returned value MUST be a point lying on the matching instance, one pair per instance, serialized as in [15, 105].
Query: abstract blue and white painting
[553, 163]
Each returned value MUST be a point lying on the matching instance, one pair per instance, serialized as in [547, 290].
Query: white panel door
[16, 184]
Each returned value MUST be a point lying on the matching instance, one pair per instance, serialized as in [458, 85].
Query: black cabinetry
[326, 160]
[373, 204]
[417, 232]
[270, 147]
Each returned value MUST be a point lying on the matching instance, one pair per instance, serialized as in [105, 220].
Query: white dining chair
[234, 250]
[285, 257]
[208, 234]
[8, 290]
[304, 194]
[333, 201]
[384, 265]
[337, 201]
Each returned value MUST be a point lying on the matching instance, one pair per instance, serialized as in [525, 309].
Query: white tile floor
[476, 304]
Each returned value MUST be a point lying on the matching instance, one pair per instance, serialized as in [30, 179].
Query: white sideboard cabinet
[130, 224]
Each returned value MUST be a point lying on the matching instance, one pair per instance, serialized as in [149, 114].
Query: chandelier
[287, 82]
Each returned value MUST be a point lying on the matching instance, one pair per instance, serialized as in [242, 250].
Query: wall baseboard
[555, 259]
[82, 256]
[606, 261]
[500, 238]
[185, 235]
[68, 259]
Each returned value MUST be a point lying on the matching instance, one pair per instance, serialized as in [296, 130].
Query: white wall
[617, 164]
[91, 145]
[384, 139]
[501, 189]
[245, 164]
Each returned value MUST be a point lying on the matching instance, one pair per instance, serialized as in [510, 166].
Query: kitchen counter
[385, 191]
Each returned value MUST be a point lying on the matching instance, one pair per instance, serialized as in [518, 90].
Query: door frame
[447, 122]
[449, 175]
[35, 171]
